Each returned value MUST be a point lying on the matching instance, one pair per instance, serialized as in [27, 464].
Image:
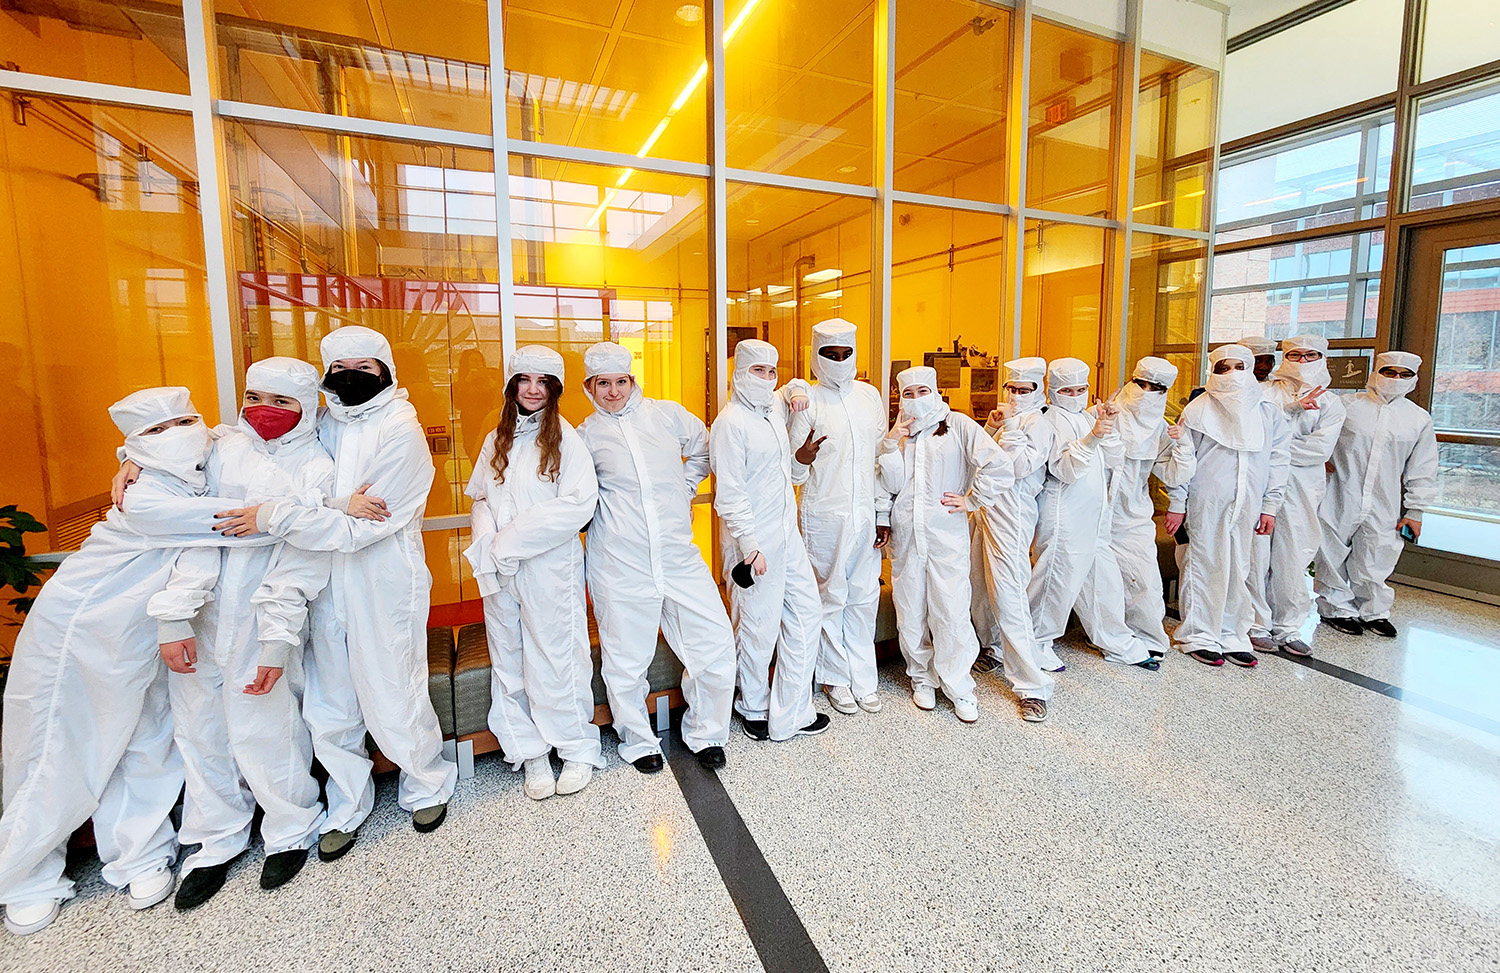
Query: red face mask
[271, 422]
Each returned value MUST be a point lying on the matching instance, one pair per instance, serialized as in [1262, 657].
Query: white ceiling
[1245, 14]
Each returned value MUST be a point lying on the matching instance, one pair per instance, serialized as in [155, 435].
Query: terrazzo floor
[1193, 819]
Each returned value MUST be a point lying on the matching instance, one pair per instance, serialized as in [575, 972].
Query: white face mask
[1233, 381]
[1308, 374]
[1391, 389]
[181, 451]
[755, 390]
[922, 407]
[1024, 401]
[1071, 403]
[1147, 404]
[836, 375]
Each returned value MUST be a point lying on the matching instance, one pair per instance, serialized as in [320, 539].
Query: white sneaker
[842, 699]
[540, 784]
[23, 920]
[924, 696]
[575, 777]
[966, 710]
[152, 887]
[871, 703]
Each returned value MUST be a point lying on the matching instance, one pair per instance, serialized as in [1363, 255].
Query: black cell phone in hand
[743, 575]
[1407, 534]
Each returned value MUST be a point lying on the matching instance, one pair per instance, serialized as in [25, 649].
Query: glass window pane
[1456, 149]
[424, 63]
[1466, 367]
[1326, 178]
[1074, 77]
[952, 82]
[1168, 283]
[1328, 287]
[102, 264]
[799, 88]
[1341, 57]
[628, 81]
[947, 297]
[1062, 296]
[138, 45]
[628, 265]
[1173, 143]
[1458, 34]
[332, 230]
[797, 258]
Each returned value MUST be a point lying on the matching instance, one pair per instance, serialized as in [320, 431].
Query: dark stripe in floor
[775, 931]
[1395, 692]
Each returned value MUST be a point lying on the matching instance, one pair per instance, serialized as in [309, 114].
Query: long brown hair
[548, 437]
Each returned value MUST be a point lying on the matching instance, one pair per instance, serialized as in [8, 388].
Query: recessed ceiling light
[819, 276]
[785, 304]
[689, 14]
[774, 289]
[846, 168]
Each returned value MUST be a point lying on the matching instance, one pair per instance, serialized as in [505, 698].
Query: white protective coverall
[1149, 450]
[1073, 550]
[528, 563]
[1001, 535]
[87, 722]
[840, 508]
[1279, 562]
[222, 732]
[1386, 460]
[379, 583]
[1240, 443]
[781, 612]
[930, 541]
[645, 574]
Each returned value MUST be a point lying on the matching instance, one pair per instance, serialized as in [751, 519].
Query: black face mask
[354, 387]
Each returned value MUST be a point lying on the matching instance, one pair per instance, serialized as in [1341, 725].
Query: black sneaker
[987, 662]
[649, 764]
[1207, 657]
[818, 725]
[759, 730]
[712, 758]
[1349, 626]
[1152, 663]
[281, 868]
[1245, 660]
[201, 885]
[1381, 626]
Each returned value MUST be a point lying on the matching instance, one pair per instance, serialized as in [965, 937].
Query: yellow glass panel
[799, 87]
[952, 82]
[1062, 296]
[333, 230]
[603, 254]
[1174, 143]
[102, 290]
[947, 298]
[135, 44]
[797, 258]
[1073, 124]
[623, 77]
[424, 63]
[1168, 285]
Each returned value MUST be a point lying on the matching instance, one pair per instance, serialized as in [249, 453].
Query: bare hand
[800, 403]
[882, 536]
[237, 523]
[1174, 431]
[1265, 525]
[1309, 402]
[902, 428]
[1000, 413]
[128, 474]
[1415, 525]
[180, 656]
[758, 564]
[1328, 467]
[366, 507]
[955, 502]
[1104, 424]
[1173, 521]
[265, 681]
[808, 451]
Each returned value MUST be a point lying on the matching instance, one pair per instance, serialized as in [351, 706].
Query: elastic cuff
[1173, 508]
[173, 631]
[749, 544]
[889, 445]
[1414, 515]
[263, 517]
[882, 520]
[274, 655]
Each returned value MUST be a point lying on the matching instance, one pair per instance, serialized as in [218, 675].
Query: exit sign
[1059, 111]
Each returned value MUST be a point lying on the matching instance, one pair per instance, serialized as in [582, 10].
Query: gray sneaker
[1296, 647]
[1264, 643]
[334, 845]
[1033, 710]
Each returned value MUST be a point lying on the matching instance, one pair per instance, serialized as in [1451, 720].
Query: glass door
[1453, 322]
